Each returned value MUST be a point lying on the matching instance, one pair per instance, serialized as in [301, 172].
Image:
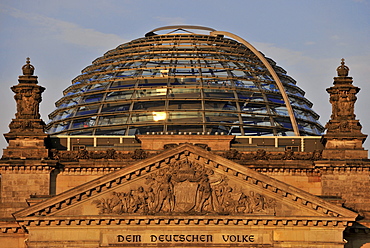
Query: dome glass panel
[182, 82]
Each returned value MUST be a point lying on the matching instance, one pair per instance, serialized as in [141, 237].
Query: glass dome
[184, 82]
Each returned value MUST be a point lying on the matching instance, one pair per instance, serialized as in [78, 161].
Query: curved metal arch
[183, 27]
[272, 72]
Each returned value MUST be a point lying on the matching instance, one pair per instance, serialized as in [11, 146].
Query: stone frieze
[260, 154]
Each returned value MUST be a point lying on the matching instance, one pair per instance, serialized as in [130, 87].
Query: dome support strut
[272, 72]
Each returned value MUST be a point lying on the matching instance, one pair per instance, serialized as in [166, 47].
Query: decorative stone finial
[342, 70]
[28, 69]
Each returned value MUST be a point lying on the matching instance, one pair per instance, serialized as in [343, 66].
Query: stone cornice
[290, 171]
[345, 169]
[87, 171]
[342, 168]
[11, 228]
[24, 167]
[253, 220]
[317, 171]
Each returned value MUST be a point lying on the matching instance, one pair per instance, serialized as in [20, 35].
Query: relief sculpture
[342, 103]
[186, 187]
[28, 101]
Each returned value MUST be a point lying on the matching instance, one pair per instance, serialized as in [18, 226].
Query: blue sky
[306, 38]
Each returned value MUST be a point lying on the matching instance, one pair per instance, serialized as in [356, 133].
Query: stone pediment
[185, 183]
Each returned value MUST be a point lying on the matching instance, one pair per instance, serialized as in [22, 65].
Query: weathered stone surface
[185, 190]
[186, 193]
[19, 180]
[26, 136]
[343, 135]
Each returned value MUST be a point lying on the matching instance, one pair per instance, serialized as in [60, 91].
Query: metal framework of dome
[183, 81]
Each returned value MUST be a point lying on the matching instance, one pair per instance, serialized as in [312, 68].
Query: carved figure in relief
[115, 205]
[106, 205]
[203, 194]
[164, 193]
[28, 103]
[244, 204]
[232, 200]
[18, 100]
[186, 187]
[342, 103]
[346, 103]
[151, 200]
[140, 201]
[258, 202]
[219, 188]
[126, 205]
[35, 101]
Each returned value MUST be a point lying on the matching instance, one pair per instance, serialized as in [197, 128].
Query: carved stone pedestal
[26, 148]
[26, 137]
[339, 146]
[344, 138]
[343, 153]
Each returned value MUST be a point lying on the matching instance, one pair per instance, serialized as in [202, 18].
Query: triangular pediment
[185, 181]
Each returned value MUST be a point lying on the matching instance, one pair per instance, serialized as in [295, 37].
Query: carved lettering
[188, 238]
[128, 238]
[153, 238]
[181, 238]
[238, 238]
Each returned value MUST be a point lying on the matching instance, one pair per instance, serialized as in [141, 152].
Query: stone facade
[185, 190]
[181, 197]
